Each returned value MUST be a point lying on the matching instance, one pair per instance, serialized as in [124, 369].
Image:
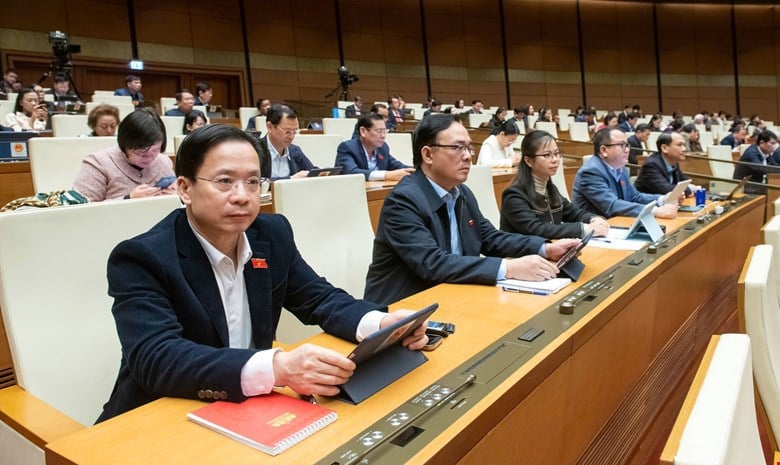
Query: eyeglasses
[380, 131]
[287, 132]
[459, 149]
[226, 183]
[622, 145]
[550, 155]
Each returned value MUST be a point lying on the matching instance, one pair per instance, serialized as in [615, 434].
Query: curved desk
[602, 387]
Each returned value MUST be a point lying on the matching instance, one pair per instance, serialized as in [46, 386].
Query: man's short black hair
[765, 136]
[202, 87]
[140, 130]
[426, 133]
[277, 111]
[665, 138]
[376, 107]
[688, 128]
[131, 77]
[367, 120]
[602, 137]
[181, 93]
[194, 147]
[642, 127]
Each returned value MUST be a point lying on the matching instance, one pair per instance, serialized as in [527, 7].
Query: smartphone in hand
[165, 181]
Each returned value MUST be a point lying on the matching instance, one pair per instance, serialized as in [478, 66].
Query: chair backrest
[560, 181]
[174, 126]
[244, 113]
[111, 99]
[564, 122]
[417, 109]
[563, 112]
[400, 144]
[339, 126]
[69, 125]
[101, 93]
[6, 108]
[548, 126]
[319, 148]
[56, 310]
[260, 125]
[480, 181]
[652, 141]
[721, 169]
[777, 206]
[315, 209]
[55, 161]
[124, 108]
[475, 120]
[717, 423]
[705, 140]
[760, 318]
[532, 120]
[578, 131]
[177, 140]
[167, 103]
[742, 148]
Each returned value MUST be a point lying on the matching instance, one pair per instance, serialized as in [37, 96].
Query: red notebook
[272, 423]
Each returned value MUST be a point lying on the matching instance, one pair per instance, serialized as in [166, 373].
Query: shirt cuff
[257, 374]
[369, 324]
[543, 250]
[377, 175]
[661, 200]
[501, 270]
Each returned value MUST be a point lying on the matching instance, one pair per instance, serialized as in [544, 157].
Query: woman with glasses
[533, 205]
[496, 150]
[135, 168]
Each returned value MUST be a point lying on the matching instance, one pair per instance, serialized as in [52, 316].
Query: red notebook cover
[272, 423]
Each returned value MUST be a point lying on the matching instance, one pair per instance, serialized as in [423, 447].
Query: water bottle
[701, 196]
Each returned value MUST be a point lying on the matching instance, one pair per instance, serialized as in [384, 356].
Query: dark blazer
[170, 318]
[351, 157]
[634, 153]
[392, 122]
[520, 215]
[126, 92]
[352, 112]
[412, 245]
[175, 112]
[654, 179]
[753, 155]
[597, 191]
[729, 140]
[297, 160]
[625, 127]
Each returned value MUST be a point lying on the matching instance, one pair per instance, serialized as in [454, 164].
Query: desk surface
[606, 376]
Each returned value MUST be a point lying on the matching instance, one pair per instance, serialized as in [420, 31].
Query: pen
[525, 291]
[602, 240]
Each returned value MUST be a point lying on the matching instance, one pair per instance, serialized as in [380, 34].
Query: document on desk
[551, 286]
[616, 239]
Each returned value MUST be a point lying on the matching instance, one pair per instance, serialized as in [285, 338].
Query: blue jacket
[597, 191]
[352, 158]
[412, 246]
[729, 140]
[124, 91]
[170, 318]
[297, 160]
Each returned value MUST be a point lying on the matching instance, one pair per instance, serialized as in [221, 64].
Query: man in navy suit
[198, 297]
[132, 89]
[661, 171]
[431, 230]
[284, 159]
[395, 113]
[763, 152]
[736, 136]
[629, 125]
[368, 154]
[184, 103]
[602, 185]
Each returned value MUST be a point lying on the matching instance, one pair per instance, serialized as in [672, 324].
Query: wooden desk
[605, 391]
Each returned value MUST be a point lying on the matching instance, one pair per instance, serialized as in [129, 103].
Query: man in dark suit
[763, 152]
[629, 124]
[395, 113]
[476, 107]
[283, 159]
[661, 171]
[356, 109]
[431, 230]
[132, 89]
[198, 297]
[184, 103]
[368, 154]
[262, 104]
[736, 136]
[637, 149]
[601, 185]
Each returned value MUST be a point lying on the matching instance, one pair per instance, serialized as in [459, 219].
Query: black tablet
[571, 253]
[314, 172]
[390, 335]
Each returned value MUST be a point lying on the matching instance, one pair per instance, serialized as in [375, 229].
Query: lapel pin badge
[259, 263]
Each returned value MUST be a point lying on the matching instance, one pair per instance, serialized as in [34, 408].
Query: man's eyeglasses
[287, 132]
[550, 155]
[622, 145]
[459, 149]
[226, 183]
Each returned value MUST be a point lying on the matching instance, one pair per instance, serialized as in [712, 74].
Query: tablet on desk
[678, 190]
[314, 172]
[390, 335]
[571, 253]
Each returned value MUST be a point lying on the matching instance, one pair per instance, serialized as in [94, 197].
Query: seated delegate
[496, 150]
[369, 154]
[602, 186]
[103, 120]
[661, 170]
[132, 169]
[765, 156]
[532, 203]
[281, 157]
[197, 298]
[29, 113]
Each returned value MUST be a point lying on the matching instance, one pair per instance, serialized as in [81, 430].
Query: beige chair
[578, 131]
[717, 422]
[6, 108]
[532, 120]
[57, 314]
[177, 140]
[124, 108]
[417, 110]
[476, 120]
[69, 125]
[339, 126]
[174, 126]
[721, 167]
[315, 208]
[705, 139]
[55, 161]
[560, 181]
[564, 122]
[260, 125]
[96, 95]
[480, 181]
[760, 319]
[245, 113]
[111, 99]
[319, 148]
[548, 126]
[777, 206]
[400, 144]
[166, 103]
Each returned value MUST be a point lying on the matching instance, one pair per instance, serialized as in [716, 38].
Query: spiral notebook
[271, 423]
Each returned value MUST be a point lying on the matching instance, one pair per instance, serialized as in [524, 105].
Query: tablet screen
[393, 334]
[571, 253]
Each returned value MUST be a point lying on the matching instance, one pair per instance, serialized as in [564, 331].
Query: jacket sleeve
[597, 189]
[652, 180]
[517, 215]
[346, 159]
[91, 181]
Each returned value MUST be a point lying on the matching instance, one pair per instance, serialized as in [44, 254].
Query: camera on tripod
[61, 63]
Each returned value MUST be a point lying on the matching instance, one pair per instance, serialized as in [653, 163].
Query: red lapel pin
[259, 263]
[471, 223]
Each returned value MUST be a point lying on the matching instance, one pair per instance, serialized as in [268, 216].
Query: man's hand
[530, 268]
[396, 175]
[556, 249]
[668, 211]
[311, 369]
[300, 174]
[599, 226]
[414, 341]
